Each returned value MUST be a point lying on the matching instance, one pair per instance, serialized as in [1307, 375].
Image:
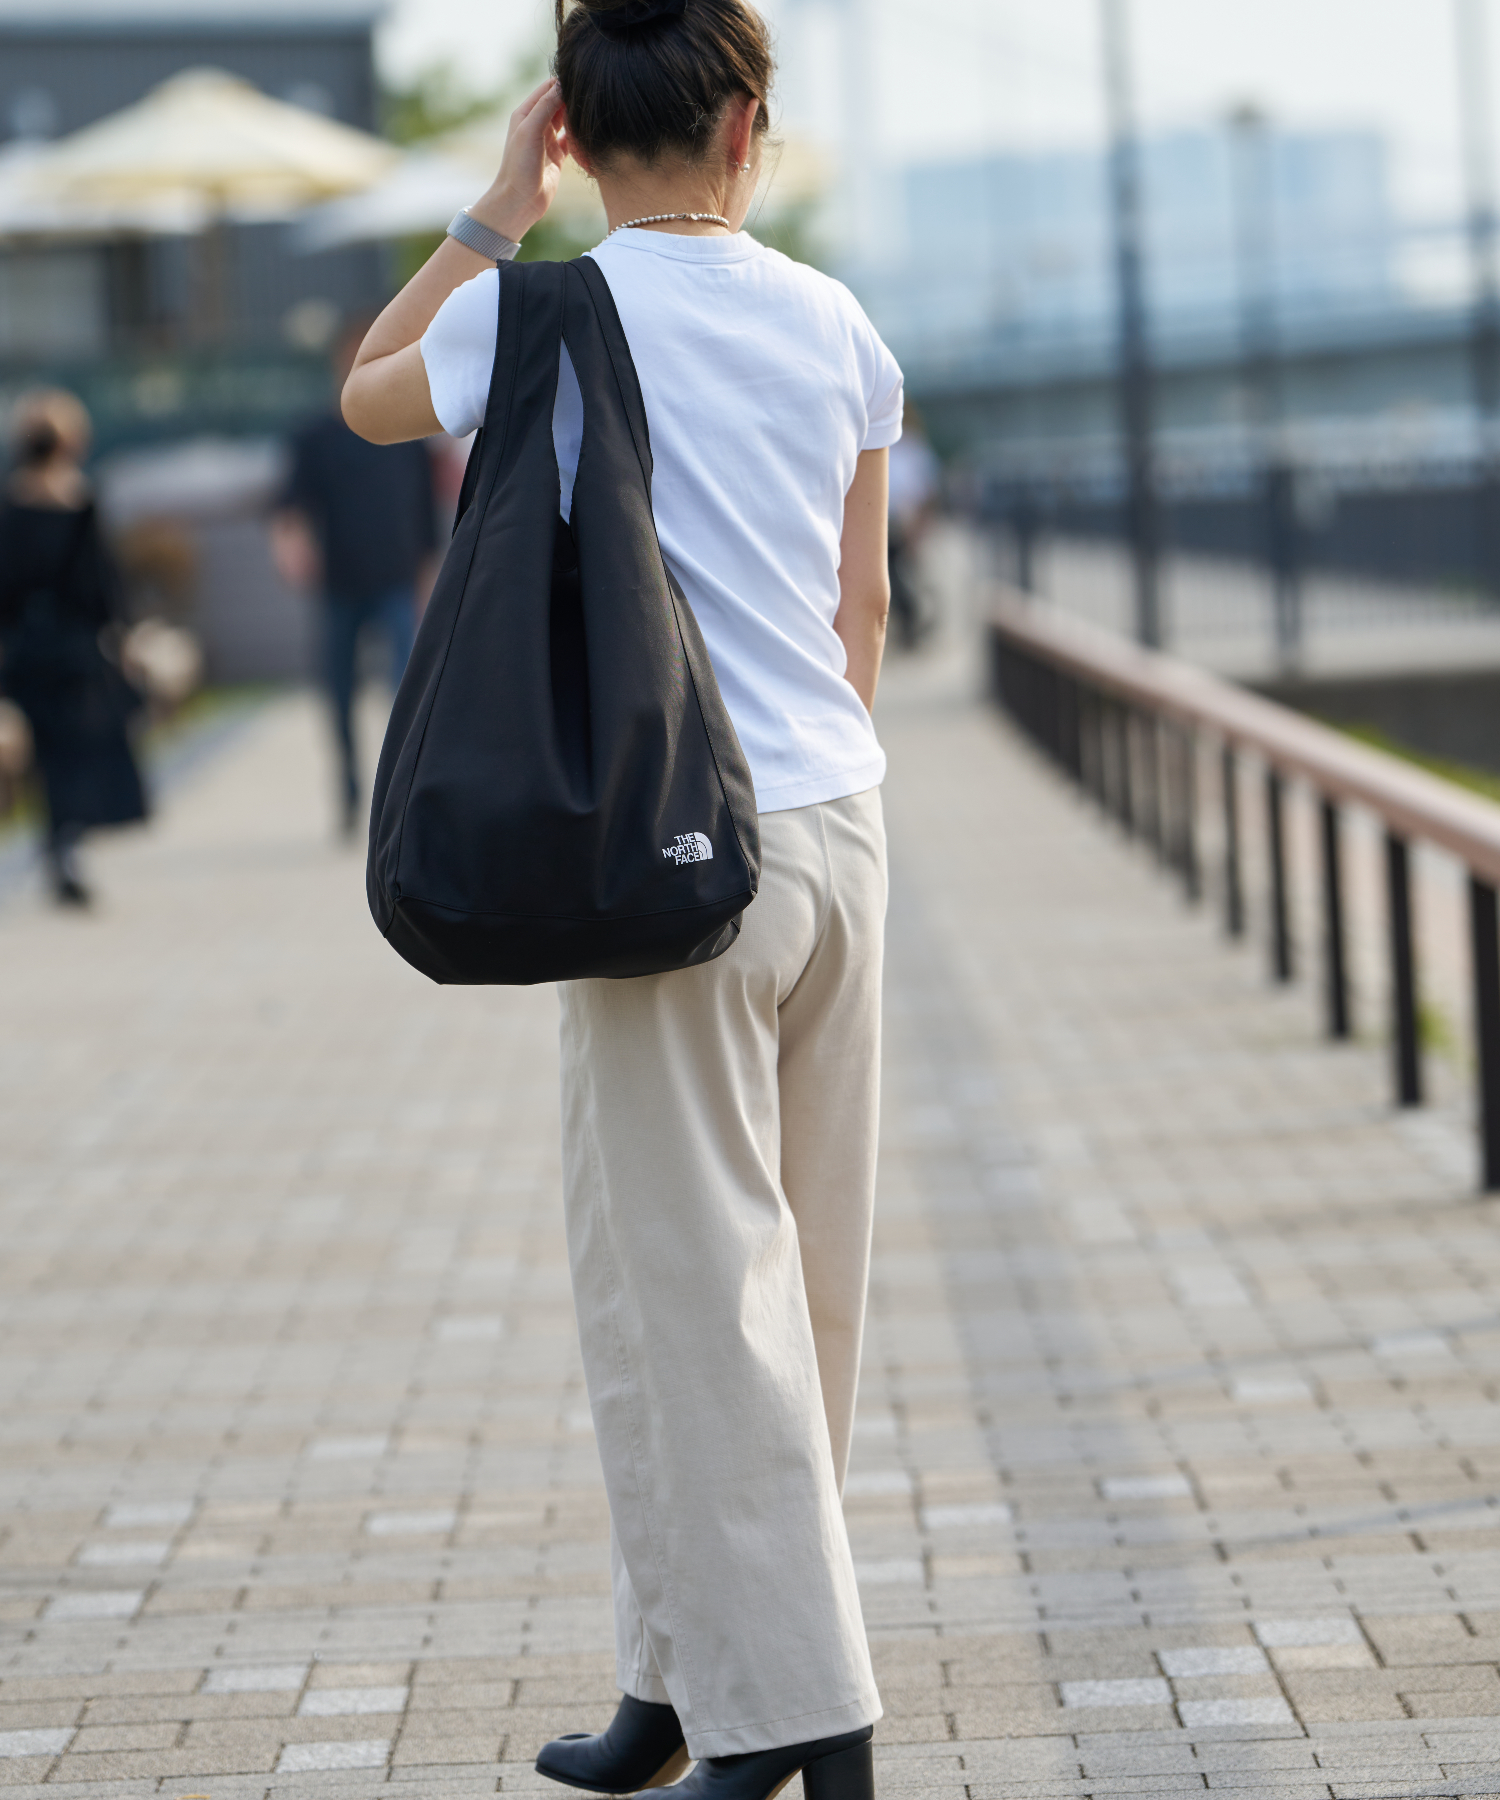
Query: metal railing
[1129, 726]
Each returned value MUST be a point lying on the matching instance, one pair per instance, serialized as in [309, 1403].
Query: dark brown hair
[651, 78]
[38, 444]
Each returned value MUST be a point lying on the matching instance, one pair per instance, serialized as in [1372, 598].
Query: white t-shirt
[763, 381]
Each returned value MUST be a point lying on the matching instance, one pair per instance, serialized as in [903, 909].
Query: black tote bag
[560, 793]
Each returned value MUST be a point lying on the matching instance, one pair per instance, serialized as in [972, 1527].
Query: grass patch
[1435, 1029]
[1477, 781]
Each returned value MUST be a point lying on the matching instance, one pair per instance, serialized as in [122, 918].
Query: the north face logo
[689, 846]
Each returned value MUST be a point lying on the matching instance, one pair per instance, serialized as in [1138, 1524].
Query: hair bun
[627, 15]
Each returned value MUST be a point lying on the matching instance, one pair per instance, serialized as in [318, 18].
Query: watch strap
[475, 236]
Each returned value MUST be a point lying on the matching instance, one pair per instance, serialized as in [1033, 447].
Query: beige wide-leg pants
[719, 1166]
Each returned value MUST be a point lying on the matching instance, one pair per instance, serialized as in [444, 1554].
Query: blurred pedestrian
[914, 487]
[356, 523]
[60, 620]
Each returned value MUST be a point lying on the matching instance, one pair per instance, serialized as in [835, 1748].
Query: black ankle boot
[832, 1768]
[642, 1748]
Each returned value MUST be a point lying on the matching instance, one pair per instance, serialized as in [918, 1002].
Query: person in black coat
[357, 523]
[59, 602]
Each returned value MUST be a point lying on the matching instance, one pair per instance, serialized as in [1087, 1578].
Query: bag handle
[617, 348]
[521, 286]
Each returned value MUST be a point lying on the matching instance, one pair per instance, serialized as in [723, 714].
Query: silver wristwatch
[479, 237]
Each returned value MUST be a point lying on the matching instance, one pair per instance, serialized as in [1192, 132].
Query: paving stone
[273, 1678]
[1258, 1710]
[92, 1739]
[1147, 1692]
[39, 1741]
[334, 1703]
[359, 1753]
[1229, 1659]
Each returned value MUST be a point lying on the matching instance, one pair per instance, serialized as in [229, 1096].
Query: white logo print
[689, 846]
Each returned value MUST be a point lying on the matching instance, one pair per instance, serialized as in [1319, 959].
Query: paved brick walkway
[1178, 1462]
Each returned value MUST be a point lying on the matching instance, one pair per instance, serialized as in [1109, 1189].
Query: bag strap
[596, 304]
[529, 326]
[502, 374]
[522, 289]
[617, 347]
[470, 481]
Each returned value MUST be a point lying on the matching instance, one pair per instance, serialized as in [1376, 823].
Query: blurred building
[1017, 248]
[994, 284]
[66, 63]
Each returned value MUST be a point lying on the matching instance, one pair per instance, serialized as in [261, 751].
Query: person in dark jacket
[59, 606]
[357, 523]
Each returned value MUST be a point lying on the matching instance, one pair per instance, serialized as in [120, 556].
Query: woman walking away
[58, 594]
[719, 1121]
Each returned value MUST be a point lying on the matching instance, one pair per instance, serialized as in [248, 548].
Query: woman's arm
[864, 574]
[386, 398]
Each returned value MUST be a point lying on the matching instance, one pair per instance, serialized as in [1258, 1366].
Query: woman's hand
[535, 145]
[386, 397]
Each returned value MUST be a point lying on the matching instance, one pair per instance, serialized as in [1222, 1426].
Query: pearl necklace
[663, 218]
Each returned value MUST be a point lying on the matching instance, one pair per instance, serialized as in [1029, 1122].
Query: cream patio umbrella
[207, 141]
[209, 137]
[29, 214]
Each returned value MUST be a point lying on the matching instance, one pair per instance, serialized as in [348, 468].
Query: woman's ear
[571, 148]
[740, 118]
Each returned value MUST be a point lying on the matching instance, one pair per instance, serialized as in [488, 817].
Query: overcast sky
[950, 76]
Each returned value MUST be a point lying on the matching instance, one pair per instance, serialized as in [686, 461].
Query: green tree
[436, 101]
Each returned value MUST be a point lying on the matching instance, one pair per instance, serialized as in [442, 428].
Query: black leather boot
[832, 1768]
[642, 1748]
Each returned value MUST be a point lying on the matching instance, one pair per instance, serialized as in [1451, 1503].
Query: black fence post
[1052, 713]
[1174, 813]
[1104, 733]
[1403, 973]
[995, 643]
[1234, 887]
[1098, 750]
[1482, 925]
[1335, 970]
[1072, 721]
[1028, 695]
[1192, 877]
[1153, 806]
[1281, 930]
[1125, 771]
[1087, 767]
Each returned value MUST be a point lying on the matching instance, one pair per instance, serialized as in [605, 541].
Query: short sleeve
[884, 395]
[458, 352]
[879, 375]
